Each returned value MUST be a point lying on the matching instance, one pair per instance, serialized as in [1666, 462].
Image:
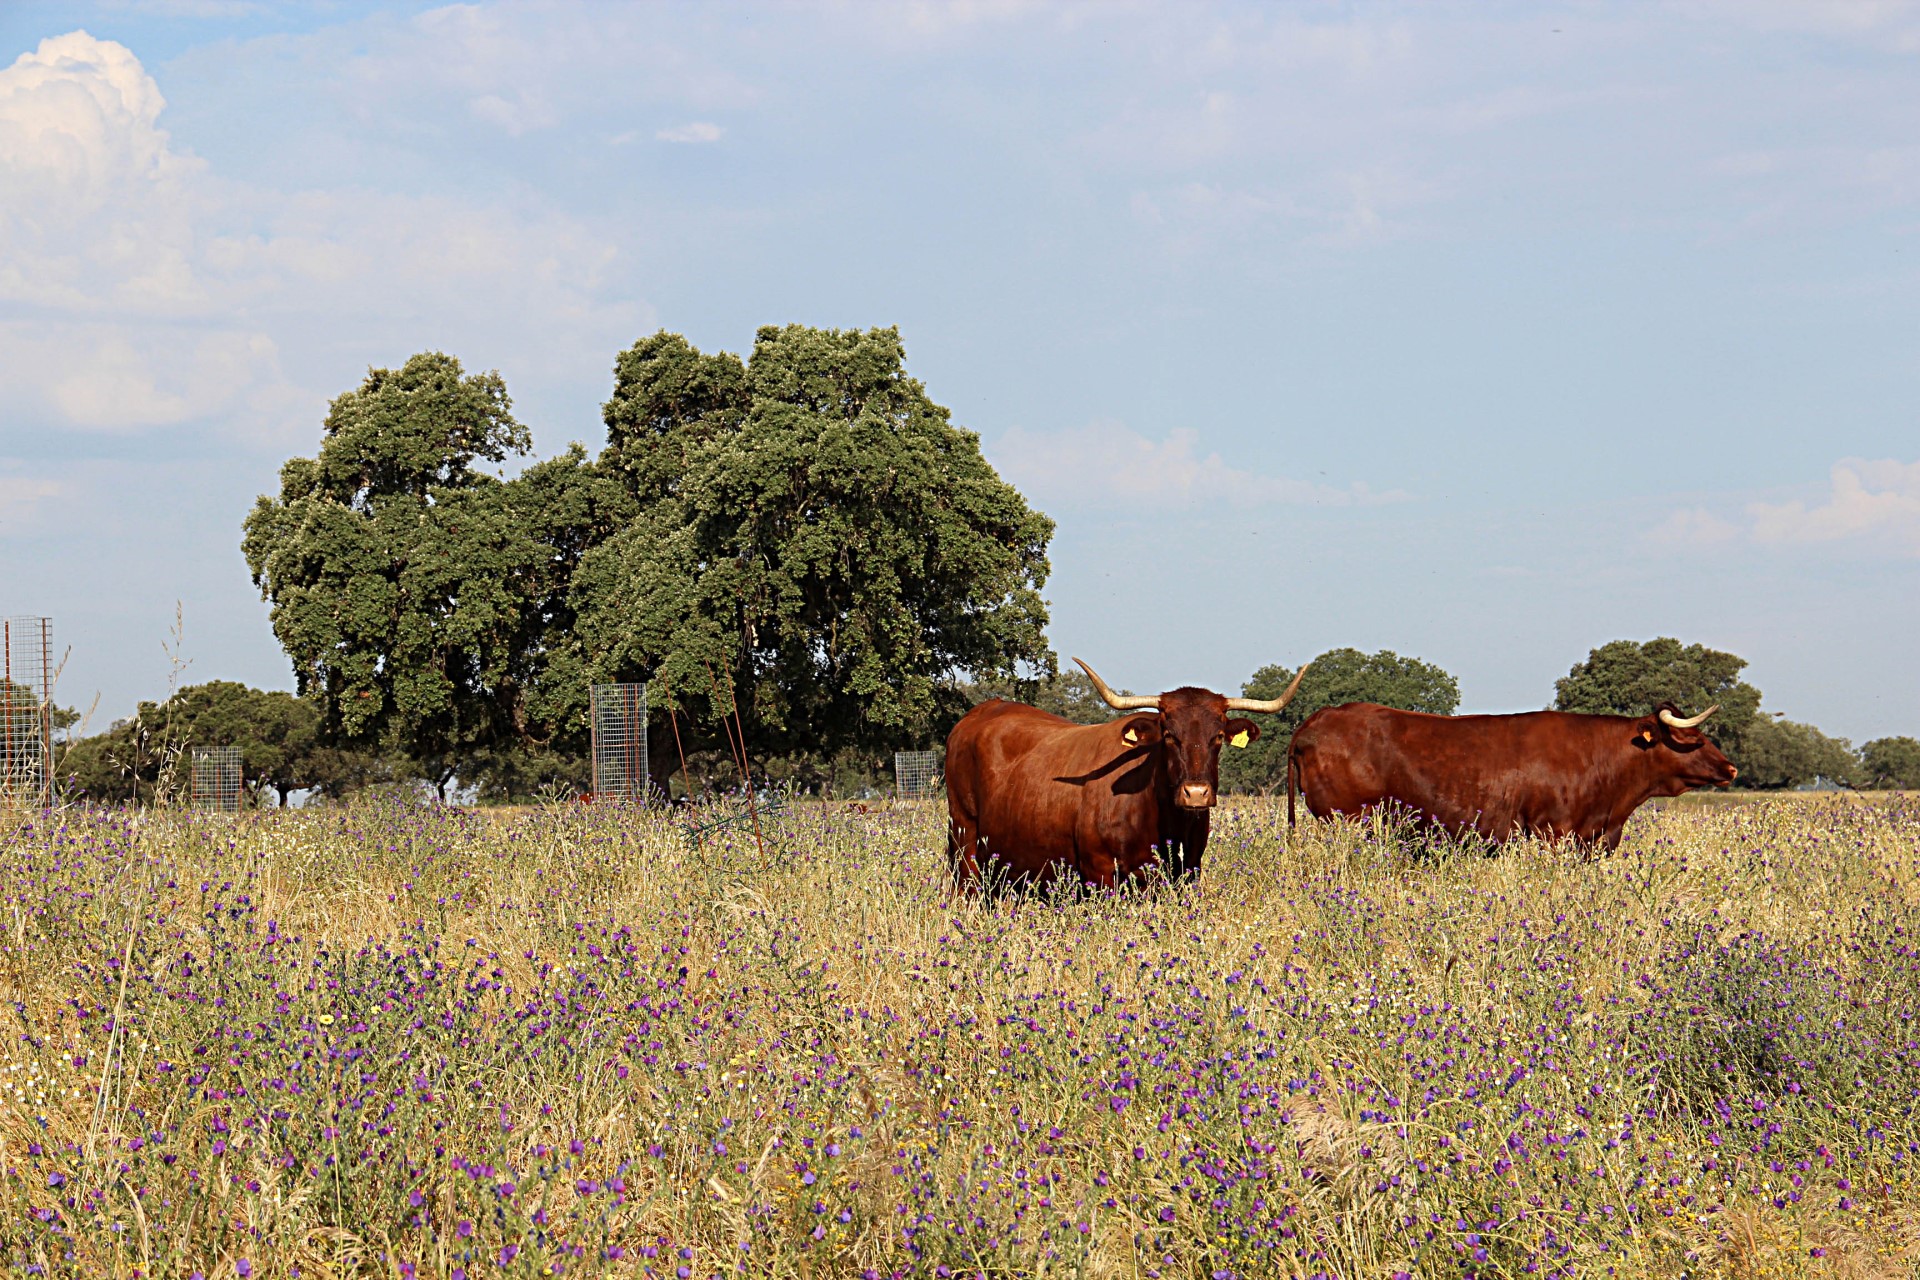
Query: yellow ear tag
[1131, 736]
[1646, 736]
[1239, 739]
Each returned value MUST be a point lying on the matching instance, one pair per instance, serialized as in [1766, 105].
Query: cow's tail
[1293, 781]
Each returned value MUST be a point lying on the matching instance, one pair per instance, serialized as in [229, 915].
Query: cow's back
[1493, 774]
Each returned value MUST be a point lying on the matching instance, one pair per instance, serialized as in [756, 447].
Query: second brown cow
[1552, 774]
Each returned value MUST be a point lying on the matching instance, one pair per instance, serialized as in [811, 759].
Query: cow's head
[1682, 750]
[1190, 730]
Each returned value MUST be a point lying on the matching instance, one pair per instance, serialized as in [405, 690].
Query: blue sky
[1483, 333]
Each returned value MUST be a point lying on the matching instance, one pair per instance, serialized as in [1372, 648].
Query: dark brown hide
[1034, 799]
[1546, 773]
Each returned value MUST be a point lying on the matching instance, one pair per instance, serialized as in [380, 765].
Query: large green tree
[1336, 677]
[806, 528]
[1891, 764]
[1632, 678]
[415, 593]
[1777, 753]
[812, 531]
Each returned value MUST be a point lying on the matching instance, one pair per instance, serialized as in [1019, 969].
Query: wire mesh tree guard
[218, 779]
[26, 712]
[916, 774]
[619, 715]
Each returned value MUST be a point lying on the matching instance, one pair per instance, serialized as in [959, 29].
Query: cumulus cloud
[697, 131]
[1870, 504]
[94, 200]
[1869, 500]
[154, 289]
[1693, 527]
[1107, 460]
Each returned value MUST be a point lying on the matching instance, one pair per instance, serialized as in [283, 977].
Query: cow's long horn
[1668, 718]
[1114, 700]
[1270, 706]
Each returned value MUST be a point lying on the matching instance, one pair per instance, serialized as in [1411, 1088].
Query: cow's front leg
[1098, 870]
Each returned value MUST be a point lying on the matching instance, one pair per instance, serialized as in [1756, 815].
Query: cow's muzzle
[1194, 795]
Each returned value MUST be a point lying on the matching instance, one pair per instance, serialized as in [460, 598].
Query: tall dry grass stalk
[397, 1041]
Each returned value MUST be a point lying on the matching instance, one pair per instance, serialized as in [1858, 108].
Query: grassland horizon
[391, 1040]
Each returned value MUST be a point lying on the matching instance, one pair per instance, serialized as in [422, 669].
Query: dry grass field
[392, 1041]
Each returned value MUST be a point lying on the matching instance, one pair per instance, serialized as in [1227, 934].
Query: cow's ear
[1241, 732]
[1644, 736]
[1144, 730]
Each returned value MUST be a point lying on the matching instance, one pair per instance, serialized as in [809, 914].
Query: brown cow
[1551, 774]
[1034, 798]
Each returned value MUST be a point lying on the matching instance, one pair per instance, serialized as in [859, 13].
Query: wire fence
[26, 712]
[916, 774]
[218, 779]
[619, 715]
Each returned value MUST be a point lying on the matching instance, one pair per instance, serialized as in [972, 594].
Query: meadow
[412, 1041]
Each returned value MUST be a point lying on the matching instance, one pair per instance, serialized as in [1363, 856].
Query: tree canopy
[277, 734]
[805, 527]
[1629, 678]
[811, 529]
[1336, 677]
[1891, 764]
[419, 598]
[1777, 753]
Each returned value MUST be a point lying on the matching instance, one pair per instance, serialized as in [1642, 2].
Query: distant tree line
[284, 752]
[149, 756]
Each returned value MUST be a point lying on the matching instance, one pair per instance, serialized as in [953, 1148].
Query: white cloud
[157, 289]
[91, 191]
[1693, 527]
[939, 17]
[1745, 164]
[1869, 504]
[697, 131]
[1870, 500]
[100, 376]
[1108, 460]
